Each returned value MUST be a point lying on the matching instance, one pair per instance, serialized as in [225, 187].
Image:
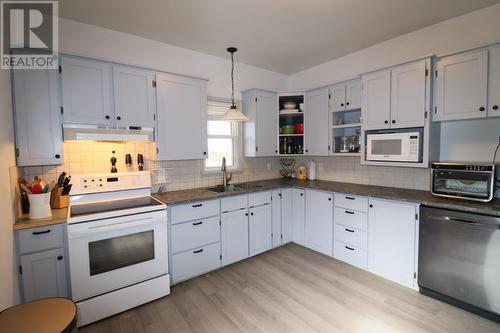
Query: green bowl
[288, 129]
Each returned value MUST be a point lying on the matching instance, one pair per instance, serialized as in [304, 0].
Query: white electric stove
[117, 238]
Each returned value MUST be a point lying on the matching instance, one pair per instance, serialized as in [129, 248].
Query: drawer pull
[350, 198]
[349, 212]
[196, 206]
[197, 223]
[349, 230]
[349, 248]
[198, 251]
[41, 232]
[59, 258]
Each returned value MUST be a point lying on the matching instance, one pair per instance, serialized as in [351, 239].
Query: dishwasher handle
[474, 220]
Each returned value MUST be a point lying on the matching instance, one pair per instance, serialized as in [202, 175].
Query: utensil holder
[39, 206]
[59, 201]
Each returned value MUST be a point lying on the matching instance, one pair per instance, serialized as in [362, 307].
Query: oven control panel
[96, 183]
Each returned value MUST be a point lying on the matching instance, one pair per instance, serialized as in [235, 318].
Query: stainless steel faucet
[225, 178]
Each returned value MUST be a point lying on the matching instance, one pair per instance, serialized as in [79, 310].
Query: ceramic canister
[39, 206]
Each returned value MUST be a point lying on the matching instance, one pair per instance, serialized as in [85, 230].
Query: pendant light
[233, 113]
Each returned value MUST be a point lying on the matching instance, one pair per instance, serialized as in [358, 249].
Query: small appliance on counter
[287, 165]
[468, 181]
[302, 173]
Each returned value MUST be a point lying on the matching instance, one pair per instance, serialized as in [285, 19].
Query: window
[222, 136]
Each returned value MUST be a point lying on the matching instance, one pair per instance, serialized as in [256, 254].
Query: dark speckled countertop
[382, 192]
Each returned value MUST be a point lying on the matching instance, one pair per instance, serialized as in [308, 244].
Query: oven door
[113, 253]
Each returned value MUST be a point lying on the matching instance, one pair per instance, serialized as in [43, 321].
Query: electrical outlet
[320, 167]
[269, 166]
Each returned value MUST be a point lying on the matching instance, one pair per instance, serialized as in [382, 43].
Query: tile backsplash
[82, 157]
[349, 169]
[94, 157]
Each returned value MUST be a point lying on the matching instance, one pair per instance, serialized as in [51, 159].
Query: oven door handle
[80, 230]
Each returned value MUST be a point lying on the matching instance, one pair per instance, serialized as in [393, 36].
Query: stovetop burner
[110, 206]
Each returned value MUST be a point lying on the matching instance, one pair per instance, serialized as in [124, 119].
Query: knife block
[57, 200]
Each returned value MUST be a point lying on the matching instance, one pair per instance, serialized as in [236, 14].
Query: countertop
[58, 216]
[382, 192]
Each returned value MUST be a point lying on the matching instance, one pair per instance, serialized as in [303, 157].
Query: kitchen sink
[222, 189]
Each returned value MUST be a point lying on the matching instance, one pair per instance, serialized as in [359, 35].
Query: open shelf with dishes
[345, 132]
[291, 124]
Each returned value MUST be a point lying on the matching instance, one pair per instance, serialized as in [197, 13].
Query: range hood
[102, 133]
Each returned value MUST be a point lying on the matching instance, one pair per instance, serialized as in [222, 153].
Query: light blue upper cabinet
[134, 92]
[461, 86]
[37, 117]
[408, 99]
[316, 122]
[260, 131]
[376, 100]
[182, 117]
[494, 82]
[87, 95]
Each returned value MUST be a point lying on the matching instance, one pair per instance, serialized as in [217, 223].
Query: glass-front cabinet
[291, 124]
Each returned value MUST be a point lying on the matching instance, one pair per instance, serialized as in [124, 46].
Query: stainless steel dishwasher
[459, 259]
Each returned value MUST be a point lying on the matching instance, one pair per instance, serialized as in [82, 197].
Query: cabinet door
[408, 95]
[391, 240]
[462, 86]
[266, 130]
[337, 97]
[353, 95]
[135, 103]
[276, 206]
[87, 95]
[319, 221]
[36, 114]
[376, 100]
[494, 82]
[260, 226]
[182, 117]
[44, 275]
[316, 122]
[299, 215]
[287, 215]
[234, 241]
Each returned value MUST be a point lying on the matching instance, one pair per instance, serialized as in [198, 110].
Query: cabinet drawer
[352, 236]
[353, 202]
[351, 218]
[259, 198]
[195, 262]
[193, 234]
[234, 203]
[351, 254]
[194, 211]
[41, 238]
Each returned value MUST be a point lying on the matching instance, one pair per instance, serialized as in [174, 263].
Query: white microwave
[394, 147]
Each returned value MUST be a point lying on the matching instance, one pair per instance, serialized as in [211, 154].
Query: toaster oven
[469, 181]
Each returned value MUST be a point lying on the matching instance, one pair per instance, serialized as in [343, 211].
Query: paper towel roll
[312, 171]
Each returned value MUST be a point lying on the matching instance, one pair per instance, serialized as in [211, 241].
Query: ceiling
[285, 36]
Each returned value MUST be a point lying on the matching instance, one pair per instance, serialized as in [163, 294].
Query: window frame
[236, 131]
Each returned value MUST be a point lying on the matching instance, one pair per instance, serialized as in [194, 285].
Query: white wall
[468, 31]
[87, 40]
[9, 294]
[461, 141]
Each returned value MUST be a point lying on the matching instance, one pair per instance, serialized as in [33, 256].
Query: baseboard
[452, 301]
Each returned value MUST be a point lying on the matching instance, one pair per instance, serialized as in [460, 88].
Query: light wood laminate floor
[293, 289]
